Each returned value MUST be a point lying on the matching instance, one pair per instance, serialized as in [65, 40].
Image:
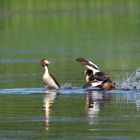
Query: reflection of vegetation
[105, 31]
[55, 4]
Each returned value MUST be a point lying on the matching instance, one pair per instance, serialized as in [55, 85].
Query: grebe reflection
[48, 100]
[94, 101]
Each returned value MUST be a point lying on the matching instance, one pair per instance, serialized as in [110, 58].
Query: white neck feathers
[46, 70]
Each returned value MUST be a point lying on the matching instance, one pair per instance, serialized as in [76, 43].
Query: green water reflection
[51, 116]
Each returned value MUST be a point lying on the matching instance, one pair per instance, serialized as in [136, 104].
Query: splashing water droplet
[66, 86]
[132, 82]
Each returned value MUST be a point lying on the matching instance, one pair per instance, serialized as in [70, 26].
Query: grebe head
[88, 72]
[44, 62]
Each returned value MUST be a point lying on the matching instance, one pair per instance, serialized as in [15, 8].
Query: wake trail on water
[131, 82]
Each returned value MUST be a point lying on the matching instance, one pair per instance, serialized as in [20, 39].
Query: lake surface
[105, 32]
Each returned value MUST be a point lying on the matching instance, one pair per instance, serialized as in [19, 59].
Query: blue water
[66, 91]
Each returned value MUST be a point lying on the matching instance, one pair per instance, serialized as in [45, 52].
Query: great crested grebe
[48, 78]
[95, 77]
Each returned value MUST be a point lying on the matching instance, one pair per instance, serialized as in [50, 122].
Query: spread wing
[90, 65]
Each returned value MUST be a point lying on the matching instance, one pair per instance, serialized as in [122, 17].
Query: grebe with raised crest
[48, 78]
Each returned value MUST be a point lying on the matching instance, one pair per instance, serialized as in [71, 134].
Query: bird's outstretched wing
[90, 65]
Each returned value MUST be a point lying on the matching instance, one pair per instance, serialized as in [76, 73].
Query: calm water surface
[80, 115]
[104, 32]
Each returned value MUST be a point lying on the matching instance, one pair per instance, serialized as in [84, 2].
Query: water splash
[132, 82]
[66, 86]
[130, 85]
